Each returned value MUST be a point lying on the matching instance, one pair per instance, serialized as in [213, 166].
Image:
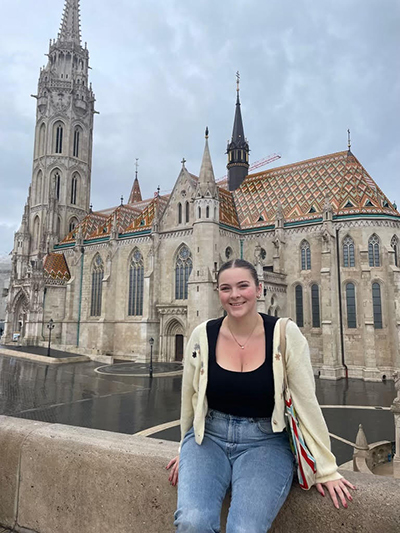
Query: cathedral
[322, 235]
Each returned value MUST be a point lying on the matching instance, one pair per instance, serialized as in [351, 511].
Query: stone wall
[57, 478]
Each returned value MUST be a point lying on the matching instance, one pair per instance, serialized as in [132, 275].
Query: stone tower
[203, 299]
[59, 194]
[60, 191]
[238, 149]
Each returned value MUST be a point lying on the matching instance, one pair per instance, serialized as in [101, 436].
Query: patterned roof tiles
[146, 217]
[124, 215]
[302, 187]
[88, 225]
[55, 266]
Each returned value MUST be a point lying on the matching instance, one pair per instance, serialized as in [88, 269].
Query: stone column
[370, 371]
[395, 408]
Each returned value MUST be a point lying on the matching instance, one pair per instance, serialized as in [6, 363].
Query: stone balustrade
[57, 478]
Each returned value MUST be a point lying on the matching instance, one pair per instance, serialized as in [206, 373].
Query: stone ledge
[63, 478]
[44, 358]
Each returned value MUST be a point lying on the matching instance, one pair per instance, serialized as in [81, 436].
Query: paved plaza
[122, 398]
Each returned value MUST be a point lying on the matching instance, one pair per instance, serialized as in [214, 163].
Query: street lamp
[50, 326]
[151, 342]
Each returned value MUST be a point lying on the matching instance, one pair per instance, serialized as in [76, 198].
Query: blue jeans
[241, 453]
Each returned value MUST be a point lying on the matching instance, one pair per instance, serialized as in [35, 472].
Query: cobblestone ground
[76, 394]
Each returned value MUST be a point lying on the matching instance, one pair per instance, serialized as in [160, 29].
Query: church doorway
[178, 347]
[20, 312]
[173, 341]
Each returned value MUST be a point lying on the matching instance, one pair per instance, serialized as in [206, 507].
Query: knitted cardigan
[302, 385]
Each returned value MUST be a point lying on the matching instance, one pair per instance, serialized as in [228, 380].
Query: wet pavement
[75, 394]
[39, 350]
[139, 369]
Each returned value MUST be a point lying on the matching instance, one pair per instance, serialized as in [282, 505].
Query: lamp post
[151, 342]
[50, 326]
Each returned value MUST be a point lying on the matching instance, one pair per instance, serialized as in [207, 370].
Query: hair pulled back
[239, 263]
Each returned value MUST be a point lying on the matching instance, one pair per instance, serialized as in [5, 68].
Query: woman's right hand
[174, 466]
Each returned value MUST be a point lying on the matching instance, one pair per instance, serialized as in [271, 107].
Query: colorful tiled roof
[302, 188]
[88, 225]
[146, 217]
[227, 210]
[124, 215]
[55, 266]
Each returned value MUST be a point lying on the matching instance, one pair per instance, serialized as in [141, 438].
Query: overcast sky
[162, 70]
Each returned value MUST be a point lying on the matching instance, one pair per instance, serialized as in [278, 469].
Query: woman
[232, 416]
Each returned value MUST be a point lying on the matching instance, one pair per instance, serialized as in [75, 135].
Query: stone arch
[20, 310]
[36, 232]
[174, 332]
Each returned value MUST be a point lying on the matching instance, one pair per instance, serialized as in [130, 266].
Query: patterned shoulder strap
[282, 346]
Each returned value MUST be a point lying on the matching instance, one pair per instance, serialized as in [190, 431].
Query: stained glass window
[377, 305]
[136, 276]
[97, 286]
[299, 306]
[305, 256]
[351, 305]
[183, 269]
[316, 322]
[348, 252]
[373, 251]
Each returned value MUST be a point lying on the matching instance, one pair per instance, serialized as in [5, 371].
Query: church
[322, 235]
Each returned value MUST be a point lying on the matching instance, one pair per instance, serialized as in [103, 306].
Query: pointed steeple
[238, 148]
[136, 195]
[70, 29]
[206, 185]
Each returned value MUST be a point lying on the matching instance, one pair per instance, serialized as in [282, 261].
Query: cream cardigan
[302, 385]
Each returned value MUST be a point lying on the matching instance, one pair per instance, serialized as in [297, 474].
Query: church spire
[136, 195]
[238, 148]
[206, 185]
[70, 29]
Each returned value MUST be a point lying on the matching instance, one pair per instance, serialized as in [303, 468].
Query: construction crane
[257, 164]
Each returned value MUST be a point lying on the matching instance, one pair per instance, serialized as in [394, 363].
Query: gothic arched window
[187, 211]
[348, 252]
[36, 233]
[228, 253]
[42, 137]
[316, 321]
[183, 268]
[377, 305]
[299, 306]
[59, 132]
[72, 224]
[74, 188]
[208, 211]
[305, 256]
[77, 134]
[97, 286]
[179, 213]
[199, 212]
[373, 251]
[57, 184]
[136, 276]
[394, 243]
[39, 185]
[351, 305]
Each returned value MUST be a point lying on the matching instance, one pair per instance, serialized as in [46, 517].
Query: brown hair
[239, 263]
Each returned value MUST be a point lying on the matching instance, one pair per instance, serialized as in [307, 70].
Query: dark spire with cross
[238, 147]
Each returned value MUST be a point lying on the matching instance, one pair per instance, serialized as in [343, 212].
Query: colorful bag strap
[282, 346]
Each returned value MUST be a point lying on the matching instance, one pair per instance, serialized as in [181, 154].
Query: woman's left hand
[337, 488]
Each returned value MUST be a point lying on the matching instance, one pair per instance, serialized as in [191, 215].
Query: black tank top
[248, 394]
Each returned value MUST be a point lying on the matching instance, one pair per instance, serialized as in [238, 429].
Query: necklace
[248, 338]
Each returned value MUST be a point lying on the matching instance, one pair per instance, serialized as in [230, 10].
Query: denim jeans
[241, 453]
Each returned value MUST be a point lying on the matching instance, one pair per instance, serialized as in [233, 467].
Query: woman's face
[238, 292]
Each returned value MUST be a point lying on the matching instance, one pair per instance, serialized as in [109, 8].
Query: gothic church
[322, 235]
